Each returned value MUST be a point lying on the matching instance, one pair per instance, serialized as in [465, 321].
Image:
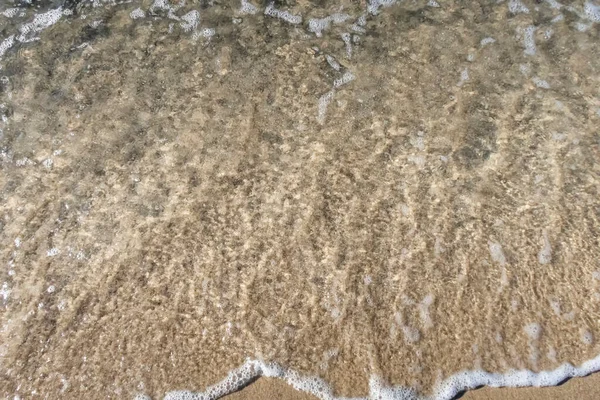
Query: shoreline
[282, 383]
[582, 388]
[406, 195]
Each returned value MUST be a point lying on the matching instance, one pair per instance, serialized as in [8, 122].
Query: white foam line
[374, 5]
[323, 104]
[6, 44]
[516, 7]
[190, 21]
[284, 15]
[11, 12]
[592, 11]
[39, 23]
[554, 4]
[330, 60]
[248, 8]
[448, 389]
[346, 78]
[137, 13]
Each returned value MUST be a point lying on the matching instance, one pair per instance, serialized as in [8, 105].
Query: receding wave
[383, 199]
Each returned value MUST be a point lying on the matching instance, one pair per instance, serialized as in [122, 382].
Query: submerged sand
[406, 196]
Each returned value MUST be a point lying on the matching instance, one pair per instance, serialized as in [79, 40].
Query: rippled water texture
[370, 193]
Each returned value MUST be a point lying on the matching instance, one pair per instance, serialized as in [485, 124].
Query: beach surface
[587, 388]
[385, 198]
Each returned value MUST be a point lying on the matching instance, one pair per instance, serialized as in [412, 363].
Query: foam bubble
[161, 5]
[548, 33]
[248, 8]
[433, 3]
[555, 305]
[591, 11]
[411, 335]
[545, 254]
[464, 76]
[533, 330]
[497, 253]
[204, 33]
[582, 26]
[165, 5]
[419, 161]
[529, 40]
[438, 247]
[48, 163]
[356, 27]
[362, 20]
[333, 62]
[380, 390]
[323, 104]
[346, 78]
[486, 41]
[374, 5]
[53, 252]
[137, 13]
[5, 291]
[284, 15]
[11, 12]
[516, 7]
[569, 316]
[190, 20]
[39, 23]
[554, 4]
[499, 338]
[317, 26]
[348, 42]
[587, 337]
[6, 44]
[424, 311]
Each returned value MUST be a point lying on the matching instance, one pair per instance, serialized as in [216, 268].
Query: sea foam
[378, 389]
[271, 11]
[317, 26]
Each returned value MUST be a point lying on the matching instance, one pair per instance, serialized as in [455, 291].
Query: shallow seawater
[365, 198]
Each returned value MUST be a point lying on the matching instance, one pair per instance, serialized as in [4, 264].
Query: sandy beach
[387, 198]
[582, 388]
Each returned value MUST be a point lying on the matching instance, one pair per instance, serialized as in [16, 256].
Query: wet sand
[402, 192]
[587, 388]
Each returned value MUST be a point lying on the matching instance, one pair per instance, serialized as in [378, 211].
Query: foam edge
[446, 390]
